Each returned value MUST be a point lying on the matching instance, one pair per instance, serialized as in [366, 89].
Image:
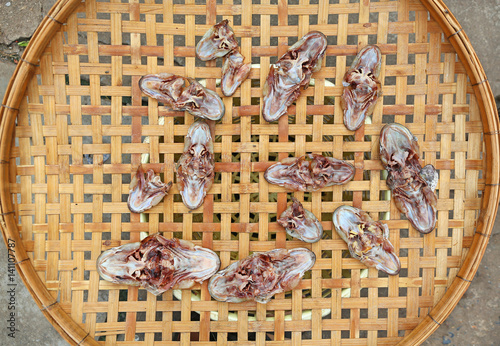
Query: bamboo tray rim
[74, 334]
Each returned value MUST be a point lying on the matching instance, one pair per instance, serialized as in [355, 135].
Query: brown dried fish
[234, 72]
[217, 42]
[301, 223]
[361, 87]
[146, 191]
[200, 101]
[412, 186]
[158, 264]
[367, 240]
[195, 168]
[310, 172]
[261, 275]
[292, 71]
[193, 97]
[164, 87]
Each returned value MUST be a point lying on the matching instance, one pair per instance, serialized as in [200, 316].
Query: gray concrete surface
[20, 18]
[481, 22]
[475, 320]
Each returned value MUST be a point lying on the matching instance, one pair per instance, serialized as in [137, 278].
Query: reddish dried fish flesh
[301, 223]
[194, 98]
[146, 191]
[201, 102]
[234, 72]
[261, 275]
[164, 87]
[361, 87]
[412, 186]
[310, 172]
[217, 42]
[292, 71]
[195, 168]
[158, 264]
[367, 240]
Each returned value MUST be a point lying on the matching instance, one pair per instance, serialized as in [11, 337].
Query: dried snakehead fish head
[234, 72]
[195, 169]
[158, 264]
[412, 186]
[164, 87]
[200, 101]
[218, 41]
[367, 240]
[146, 191]
[361, 87]
[301, 223]
[261, 275]
[292, 71]
[310, 172]
[194, 98]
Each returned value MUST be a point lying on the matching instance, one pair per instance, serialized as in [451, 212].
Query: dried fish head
[412, 187]
[146, 191]
[292, 71]
[398, 147]
[218, 41]
[194, 98]
[234, 72]
[195, 168]
[261, 275]
[158, 264]
[361, 87]
[164, 87]
[200, 101]
[367, 240]
[310, 172]
[301, 223]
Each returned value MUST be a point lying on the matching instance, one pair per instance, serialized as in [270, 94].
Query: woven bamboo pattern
[82, 126]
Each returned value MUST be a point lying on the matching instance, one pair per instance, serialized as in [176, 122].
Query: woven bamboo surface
[82, 126]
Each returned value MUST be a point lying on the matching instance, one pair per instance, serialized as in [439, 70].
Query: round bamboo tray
[74, 125]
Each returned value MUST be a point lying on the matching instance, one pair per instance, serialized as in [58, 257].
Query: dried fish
[201, 102]
[292, 71]
[301, 223]
[367, 240]
[146, 191]
[261, 275]
[219, 41]
[158, 264]
[310, 172]
[164, 87]
[361, 87]
[194, 98]
[195, 168]
[412, 186]
[234, 72]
